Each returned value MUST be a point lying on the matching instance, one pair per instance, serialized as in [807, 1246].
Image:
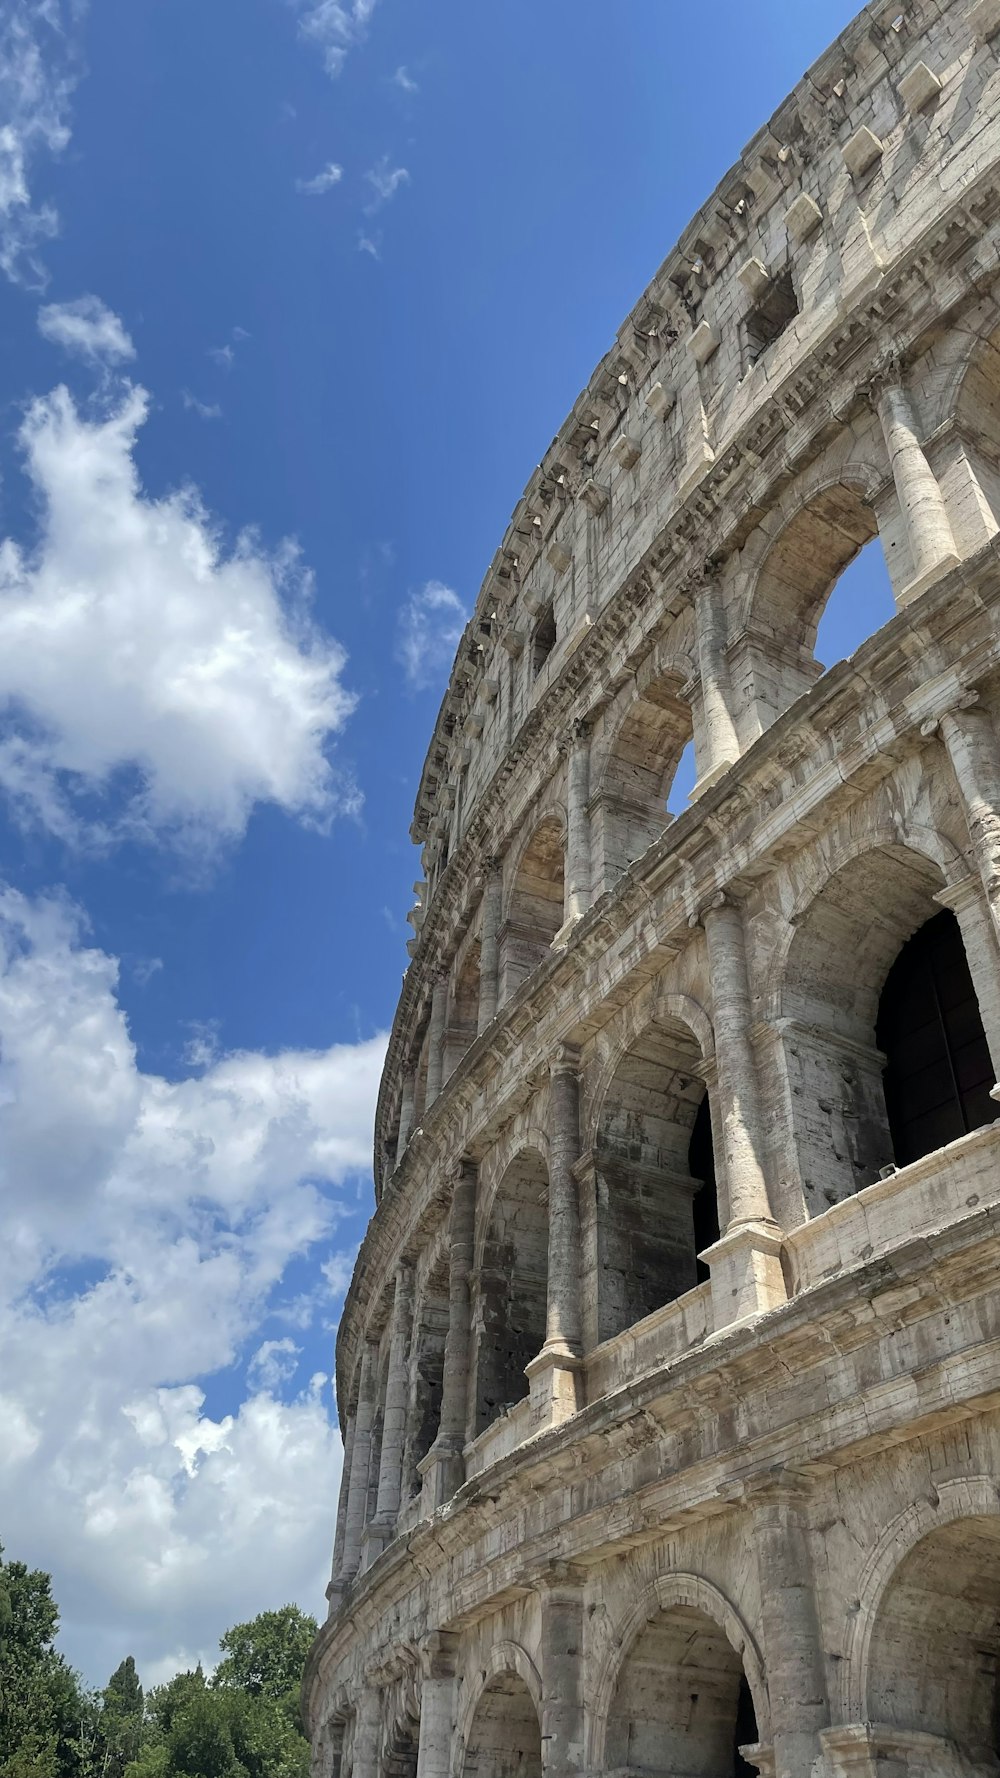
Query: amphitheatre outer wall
[669, 1373]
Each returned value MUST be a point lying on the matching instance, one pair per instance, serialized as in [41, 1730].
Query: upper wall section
[866, 157]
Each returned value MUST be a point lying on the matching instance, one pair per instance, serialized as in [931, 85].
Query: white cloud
[135, 646]
[428, 631]
[370, 244]
[223, 356]
[385, 181]
[37, 76]
[321, 182]
[404, 81]
[334, 26]
[148, 1225]
[88, 328]
[206, 410]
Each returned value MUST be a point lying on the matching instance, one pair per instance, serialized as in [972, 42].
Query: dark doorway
[938, 1072]
[705, 1205]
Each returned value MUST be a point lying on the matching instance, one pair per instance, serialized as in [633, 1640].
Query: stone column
[443, 1468]
[406, 1103]
[554, 1375]
[790, 1630]
[745, 1264]
[563, 1745]
[438, 1654]
[928, 530]
[357, 1496]
[390, 1475]
[967, 902]
[367, 1723]
[333, 1591]
[489, 947]
[968, 733]
[435, 1039]
[719, 747]
[578, 863]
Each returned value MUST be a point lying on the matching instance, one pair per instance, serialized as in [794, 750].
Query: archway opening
[858, 604]
[512, 1287]
[938, 1072]
[705, 1204]
[683, 782]
[646, 1242]
[794, 585]
[535, 909]
[837, 970]
[505, 1739]
[430, 1331]
[682, 1707]
[463, 1013]
[935, 1646]
[400, 1757]
[630, 809]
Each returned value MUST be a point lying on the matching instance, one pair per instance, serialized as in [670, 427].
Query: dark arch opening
[938, 1072]
[705, 1204]
[513, 1284]
[505, 1739]
[682, 1705]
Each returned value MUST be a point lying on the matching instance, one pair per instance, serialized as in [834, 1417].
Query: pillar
[435, 1039]
[578, 865]
[561, 1597]
[366, 1735]
[928, 530]
[967, 903]
[790, 1630]
[719, 747]
[443, 1468]
[489, 944]
[407, 1097]
[554, 1375]
[745, 1264]
[969, 735]
[390, 1476]
[333, 1591]
[438, 1655]
[357, 1496]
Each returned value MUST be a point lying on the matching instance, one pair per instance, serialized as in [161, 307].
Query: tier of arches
[729, 667]
[679, 1682]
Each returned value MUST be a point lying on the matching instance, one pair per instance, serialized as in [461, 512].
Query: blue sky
[295, 294]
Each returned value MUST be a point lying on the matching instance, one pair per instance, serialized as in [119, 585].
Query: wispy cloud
[385, 180]
[334, 26]
[87, 328]
[428, 631]
[321, 182]
[371, 244]
[404, 80]
[225, 356]
[38, 71]
[206, 410]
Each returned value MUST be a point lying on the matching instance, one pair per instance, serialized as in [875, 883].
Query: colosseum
[669, 1376]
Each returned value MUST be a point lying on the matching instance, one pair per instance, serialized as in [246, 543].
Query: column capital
[557, 1579]
[565, 1061]
[885, 375]
[490, 865]
[439, 1654]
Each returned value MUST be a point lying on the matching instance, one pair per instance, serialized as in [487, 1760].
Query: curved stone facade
[669, 1372]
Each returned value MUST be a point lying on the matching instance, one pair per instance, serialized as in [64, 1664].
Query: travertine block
[919, 87]
[984, 17]
[626, 451]
[557, 557]
[803, 217]
[862, 151]
[703, 342]
[754, 277]
[594, 495]
[660, 401]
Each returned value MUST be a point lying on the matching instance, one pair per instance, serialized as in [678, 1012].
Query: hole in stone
[684, 782]
[769, 317]
[859, 604]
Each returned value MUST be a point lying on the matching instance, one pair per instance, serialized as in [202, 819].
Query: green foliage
[243, 1724]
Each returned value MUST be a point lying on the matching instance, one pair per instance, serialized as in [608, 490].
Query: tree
[121, 1720]
[266, 1656]
[46, 1719]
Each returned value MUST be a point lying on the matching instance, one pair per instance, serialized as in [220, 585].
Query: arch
[673, 1595]
[431, 1312]
[511, 1286]
[535, 902]
[628, 810]
[954, 1500]
[463, 1006]
[506, 1661]
[644, 1122]
[865, 910]
[793, 564]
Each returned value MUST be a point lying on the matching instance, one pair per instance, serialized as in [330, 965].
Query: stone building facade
[669, 1376]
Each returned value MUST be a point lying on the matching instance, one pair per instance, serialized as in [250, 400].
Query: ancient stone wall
[668, 1374]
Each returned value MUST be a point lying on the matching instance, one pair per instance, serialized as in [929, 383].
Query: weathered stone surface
[670, 1370]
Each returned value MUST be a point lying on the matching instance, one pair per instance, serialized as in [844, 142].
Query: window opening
[938, 1071]
[859, 604]
[684, 781]
[769, 317]
[543, 641]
